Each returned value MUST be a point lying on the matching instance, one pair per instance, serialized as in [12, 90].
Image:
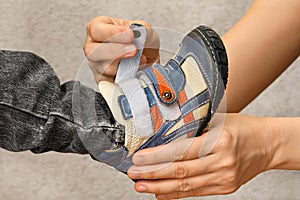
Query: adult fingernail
[141, 188]
[134, 173]
[130, 48]
[138, 160]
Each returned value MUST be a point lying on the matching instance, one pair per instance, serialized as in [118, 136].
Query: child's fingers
[101, 32]
[96, 52]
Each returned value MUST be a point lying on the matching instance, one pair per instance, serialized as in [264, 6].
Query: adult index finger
[186, 149]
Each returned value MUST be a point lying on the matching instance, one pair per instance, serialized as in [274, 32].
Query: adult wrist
[274, 142]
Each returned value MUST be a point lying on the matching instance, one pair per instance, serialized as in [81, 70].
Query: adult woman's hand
[110, 39]
[245, 147]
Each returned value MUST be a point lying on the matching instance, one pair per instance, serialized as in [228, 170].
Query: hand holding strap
[131, 87]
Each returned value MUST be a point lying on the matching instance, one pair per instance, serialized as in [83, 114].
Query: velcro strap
[132, 89]
[125, 108]
[175, 75]
[129, 66]
[139, 106]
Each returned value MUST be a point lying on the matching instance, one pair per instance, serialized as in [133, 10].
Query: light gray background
[55, 30]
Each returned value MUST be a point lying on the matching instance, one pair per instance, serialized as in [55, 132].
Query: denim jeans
[40, 115]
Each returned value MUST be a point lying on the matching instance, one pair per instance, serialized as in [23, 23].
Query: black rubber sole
[217, 50]
[218, 53]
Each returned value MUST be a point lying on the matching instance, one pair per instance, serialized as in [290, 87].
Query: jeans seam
[24, 110]
[116, 127]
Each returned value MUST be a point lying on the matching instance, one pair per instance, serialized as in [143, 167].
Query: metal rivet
[167, 95]
[136, 33]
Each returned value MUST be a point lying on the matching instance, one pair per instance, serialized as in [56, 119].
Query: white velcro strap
[129, 66]
[139, 106]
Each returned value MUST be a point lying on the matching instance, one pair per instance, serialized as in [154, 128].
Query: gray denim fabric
[39, 114]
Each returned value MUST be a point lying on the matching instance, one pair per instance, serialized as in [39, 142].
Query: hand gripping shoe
[160, 104]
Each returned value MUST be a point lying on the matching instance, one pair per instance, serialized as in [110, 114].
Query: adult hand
[110, 39]
[244, 148]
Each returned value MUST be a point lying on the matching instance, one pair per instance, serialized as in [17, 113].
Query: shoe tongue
[110, 93]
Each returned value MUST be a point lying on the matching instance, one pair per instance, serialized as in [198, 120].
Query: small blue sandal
[161, 104]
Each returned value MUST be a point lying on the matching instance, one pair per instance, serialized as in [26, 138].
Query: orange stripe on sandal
[182, 98]
[156, 117]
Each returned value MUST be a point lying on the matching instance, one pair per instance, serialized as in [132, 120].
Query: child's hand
[110, 39]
